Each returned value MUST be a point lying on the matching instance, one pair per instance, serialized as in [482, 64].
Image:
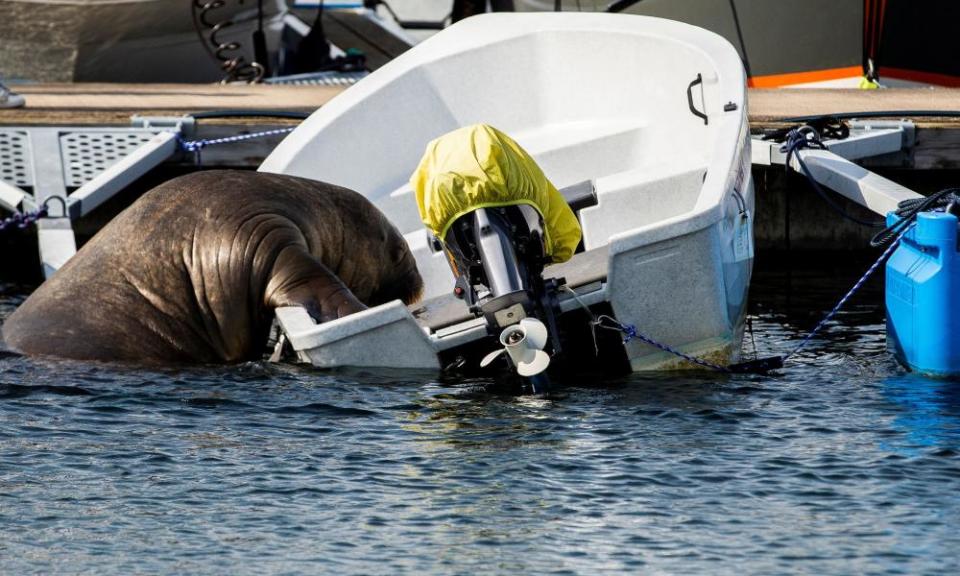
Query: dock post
[55, 237]
[56, 242]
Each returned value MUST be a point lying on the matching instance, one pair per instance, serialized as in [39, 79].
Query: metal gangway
[71, 170]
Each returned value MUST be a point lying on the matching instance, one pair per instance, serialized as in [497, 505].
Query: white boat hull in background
[121, 40]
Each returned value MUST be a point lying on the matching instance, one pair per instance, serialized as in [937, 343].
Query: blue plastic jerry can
[923, 302]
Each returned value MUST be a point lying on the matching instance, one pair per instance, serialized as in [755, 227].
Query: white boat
[651, 111]
[127, 40]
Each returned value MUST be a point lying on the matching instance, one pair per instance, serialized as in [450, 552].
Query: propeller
[524, 343]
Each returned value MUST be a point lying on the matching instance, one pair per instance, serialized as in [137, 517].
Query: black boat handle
[698, 80]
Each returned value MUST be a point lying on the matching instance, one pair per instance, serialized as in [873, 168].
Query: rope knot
[799, 138]
[24, 219]
[192, 145]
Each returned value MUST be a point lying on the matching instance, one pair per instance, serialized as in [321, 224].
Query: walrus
[191, 271]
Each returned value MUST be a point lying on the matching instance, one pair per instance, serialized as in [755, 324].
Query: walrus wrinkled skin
[191, 272]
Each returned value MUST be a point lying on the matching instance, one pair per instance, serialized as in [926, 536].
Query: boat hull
[119, 41]
[703, 314]
[651, 112]
[818, 43]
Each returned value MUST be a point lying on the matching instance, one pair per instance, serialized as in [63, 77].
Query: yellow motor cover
[480, 167]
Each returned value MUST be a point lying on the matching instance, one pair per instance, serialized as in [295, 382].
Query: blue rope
[23, 219]
[849, 293]
[196, 146]
[630, 332]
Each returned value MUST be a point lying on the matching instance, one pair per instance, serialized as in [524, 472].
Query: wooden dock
[771, 105]
[114, 104]
[937, 145]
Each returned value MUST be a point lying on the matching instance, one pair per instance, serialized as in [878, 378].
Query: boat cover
[480, 167]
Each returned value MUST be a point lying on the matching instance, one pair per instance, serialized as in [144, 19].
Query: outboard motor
[497, 256]
[499, 221]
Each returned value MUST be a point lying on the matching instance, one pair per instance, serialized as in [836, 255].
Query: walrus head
[400, 279]
[377, 264]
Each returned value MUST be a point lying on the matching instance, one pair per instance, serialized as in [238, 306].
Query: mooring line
[630, 332]
[850, 293]
[24, 219]
[196, 146]
[760, 366]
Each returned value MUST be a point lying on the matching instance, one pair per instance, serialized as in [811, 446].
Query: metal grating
[320, 78]
[15, 163]
[86, 154]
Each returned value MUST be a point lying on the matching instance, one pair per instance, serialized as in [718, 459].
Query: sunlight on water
[842, 464]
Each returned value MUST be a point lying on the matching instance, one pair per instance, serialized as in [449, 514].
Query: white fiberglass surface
[591, 97]
[581, 101]
[639, 178]
[630, 196]
[568, 153]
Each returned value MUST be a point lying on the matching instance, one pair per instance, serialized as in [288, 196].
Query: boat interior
[630, 196]
[640, 145]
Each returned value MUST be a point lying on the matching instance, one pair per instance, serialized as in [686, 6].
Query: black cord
[831, 127]
[260, 54]
[621, 5]
[807, 137]
[873, 114]
[249, 114]
[907, 211]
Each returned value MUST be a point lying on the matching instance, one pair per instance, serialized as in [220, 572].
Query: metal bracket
[56, 242]
[855, 182]
[834, 169]
[121, 174]
[867, 139]
[908, 128]
[184, 125]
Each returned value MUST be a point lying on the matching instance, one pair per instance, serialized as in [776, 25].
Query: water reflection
[843, 463]
[927, 413]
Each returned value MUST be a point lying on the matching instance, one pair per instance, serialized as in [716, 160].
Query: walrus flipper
[299, 279]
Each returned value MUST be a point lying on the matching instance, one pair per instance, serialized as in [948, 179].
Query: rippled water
[842, 464]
